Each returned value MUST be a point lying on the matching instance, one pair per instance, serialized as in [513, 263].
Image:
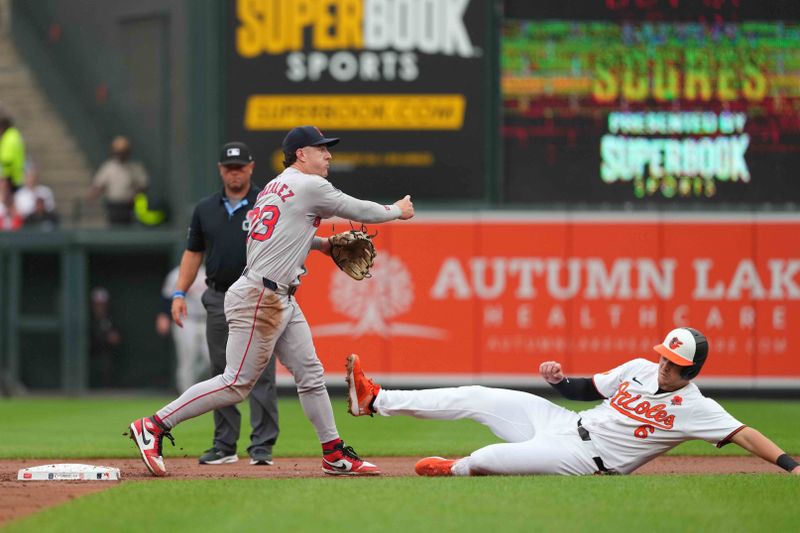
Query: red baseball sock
[329, 446]
[159, 423]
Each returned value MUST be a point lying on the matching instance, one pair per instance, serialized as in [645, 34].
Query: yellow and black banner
[401, 82]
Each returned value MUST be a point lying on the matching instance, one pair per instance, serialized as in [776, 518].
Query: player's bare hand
[163, 322]
[551, 372]
[178, 310]
[406, 207]
[796, 471]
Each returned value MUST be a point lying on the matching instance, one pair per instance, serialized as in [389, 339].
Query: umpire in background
[219, 231]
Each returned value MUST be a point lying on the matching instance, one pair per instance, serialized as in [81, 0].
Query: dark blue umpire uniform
[219, 230]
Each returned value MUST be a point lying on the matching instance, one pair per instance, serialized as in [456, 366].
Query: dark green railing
[69, 317]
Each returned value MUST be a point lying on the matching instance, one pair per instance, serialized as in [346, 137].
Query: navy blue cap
[305, 136]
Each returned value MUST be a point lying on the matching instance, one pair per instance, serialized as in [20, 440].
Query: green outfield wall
[45, 317]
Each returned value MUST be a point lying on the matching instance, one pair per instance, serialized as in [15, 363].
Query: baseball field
[695, 487]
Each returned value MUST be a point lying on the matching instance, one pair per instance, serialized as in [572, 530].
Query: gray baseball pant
[261, 322]
[263, 396]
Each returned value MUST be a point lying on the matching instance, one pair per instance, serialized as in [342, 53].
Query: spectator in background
[105, 337]
[10, 219]
[25, 197]
[119, 180]
[41, 219]
[191, 348]
[12, 150]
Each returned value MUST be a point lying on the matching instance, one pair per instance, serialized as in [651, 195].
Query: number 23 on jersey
[262, 222]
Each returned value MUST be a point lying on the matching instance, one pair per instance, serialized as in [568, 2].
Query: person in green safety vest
[12, 151]
[148, 213]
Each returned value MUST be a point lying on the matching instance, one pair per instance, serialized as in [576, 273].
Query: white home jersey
[286, 217]
[634, 424]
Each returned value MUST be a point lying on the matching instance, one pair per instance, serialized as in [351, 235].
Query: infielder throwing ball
[263, 315]
[648, 409]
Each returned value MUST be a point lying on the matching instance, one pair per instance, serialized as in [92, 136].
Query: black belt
[271, 285]
[268, 283]
[584, 435]
[214, 286]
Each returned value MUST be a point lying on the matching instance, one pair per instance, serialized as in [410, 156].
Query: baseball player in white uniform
[262, 314]
[648, 409]
[191, 348]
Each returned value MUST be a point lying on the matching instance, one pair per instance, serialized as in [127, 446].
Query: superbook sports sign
[370, 72]
[344, 40]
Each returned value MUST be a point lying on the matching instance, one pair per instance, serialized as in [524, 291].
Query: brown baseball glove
[353, 252]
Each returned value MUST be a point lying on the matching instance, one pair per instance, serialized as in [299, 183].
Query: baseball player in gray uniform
[263, 315]
[648, 408]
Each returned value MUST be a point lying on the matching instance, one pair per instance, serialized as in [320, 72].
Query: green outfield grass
[74, 428]
[596, 504]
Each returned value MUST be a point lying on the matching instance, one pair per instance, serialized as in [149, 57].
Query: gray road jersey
[286, 217]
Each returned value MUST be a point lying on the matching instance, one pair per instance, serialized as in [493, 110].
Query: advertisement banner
[487, 298]
[652, 103]
[402, 83]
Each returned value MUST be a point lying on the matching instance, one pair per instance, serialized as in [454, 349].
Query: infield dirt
[20, 498]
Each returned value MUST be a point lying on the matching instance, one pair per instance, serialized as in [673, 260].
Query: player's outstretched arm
[582, 389]
[756, 443]
[331, 202]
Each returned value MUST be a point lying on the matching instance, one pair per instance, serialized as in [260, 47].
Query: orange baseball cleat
[361, 390]
[434, 466]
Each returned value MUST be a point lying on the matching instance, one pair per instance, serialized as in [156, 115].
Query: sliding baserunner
[648, 408]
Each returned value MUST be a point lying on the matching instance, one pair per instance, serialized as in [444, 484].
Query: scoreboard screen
[651, 103]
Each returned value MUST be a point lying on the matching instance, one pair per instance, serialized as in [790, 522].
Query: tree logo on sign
[373, 303]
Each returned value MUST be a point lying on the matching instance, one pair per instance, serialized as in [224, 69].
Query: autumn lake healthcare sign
[486, 298]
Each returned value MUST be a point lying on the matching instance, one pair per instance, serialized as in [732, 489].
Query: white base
[69, 472]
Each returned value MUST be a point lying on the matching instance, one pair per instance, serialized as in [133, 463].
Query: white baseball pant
[541, 437]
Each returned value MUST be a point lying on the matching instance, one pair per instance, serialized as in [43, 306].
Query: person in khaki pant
[118, 180]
